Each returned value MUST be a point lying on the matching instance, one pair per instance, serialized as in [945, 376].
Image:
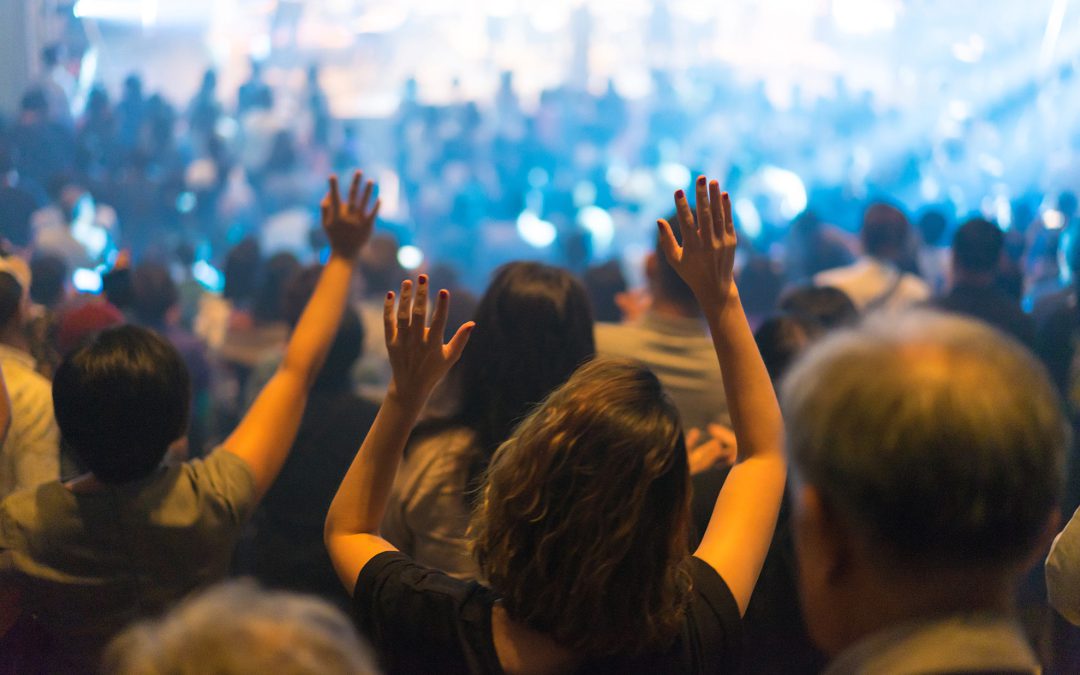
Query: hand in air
[706, 259]
[719, 449]
[418, 357]
[349, 224]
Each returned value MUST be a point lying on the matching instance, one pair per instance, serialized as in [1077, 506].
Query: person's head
[976, 249]
[664, 282]
[121, 400]
[153, 294]
[348, 345]
[50, 55]
[886, 233]
[242, 271]
[927, 454]
[825, 306]
[34, 104]
[276, 273]
[583, 524]
[50, 274]
[604, 283]
[760, 283]
[534, 327]
[781, 339]
[133, 87]
[932, 226]
[236, 628]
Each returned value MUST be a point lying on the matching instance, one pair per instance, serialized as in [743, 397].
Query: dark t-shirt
[420, 620]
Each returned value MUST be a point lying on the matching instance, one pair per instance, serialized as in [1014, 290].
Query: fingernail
[444, 294]
[389, 295]
[423, 279]
[679, 194]
[701, 180]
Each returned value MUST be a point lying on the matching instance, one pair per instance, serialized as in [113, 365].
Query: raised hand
[706, 259]
[418, 357]
[349, 224]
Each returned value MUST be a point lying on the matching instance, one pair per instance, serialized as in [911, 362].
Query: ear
[822, 542]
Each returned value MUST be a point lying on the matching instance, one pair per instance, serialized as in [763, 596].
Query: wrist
[404, 401]
[720, 305]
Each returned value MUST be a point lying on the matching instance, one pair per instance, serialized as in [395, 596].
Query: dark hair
[603, 283]
[270, 296]
[781, 339]
[11, 294]
[153, 293]
[120, 401]
[584, 520]
[348, 346]
[668, 281]
[885, 231]
[977, 246]
[825, 306]
[932, 225]
[534, 328]
[241, 271]
[935, 438]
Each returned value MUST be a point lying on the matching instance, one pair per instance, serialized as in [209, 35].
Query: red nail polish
[701, 180]
[444, 293]
[679, 194]
[389, 295]
[423, 279]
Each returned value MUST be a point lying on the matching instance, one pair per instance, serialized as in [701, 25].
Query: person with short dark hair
[133, 536]
[582, 524]
[976, 261]
[827, 307]
[928, 457]
[876, 280]
[30, 453]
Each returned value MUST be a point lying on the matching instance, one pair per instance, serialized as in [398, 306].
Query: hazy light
[86, 281]
[410, 257]
[208, 276]
[788, 187]
[186, 202]
[747, 218]
[864, 16]
[535, 232]
[601, 226]
[675, 175]
[1053, 219]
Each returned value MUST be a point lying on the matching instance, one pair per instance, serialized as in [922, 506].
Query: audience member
[537, 329]
[131, 537]
[605, 283]
[876, 281]
[824, 306]
[587, 500]
[927, 455]
[30, 452]
[976, 259]
[236, 629]
[672, 340]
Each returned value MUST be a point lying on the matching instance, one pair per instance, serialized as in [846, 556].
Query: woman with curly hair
[581, 529]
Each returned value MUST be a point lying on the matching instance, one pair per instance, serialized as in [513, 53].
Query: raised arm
[743, 520]
[266, 433]
[419, 360]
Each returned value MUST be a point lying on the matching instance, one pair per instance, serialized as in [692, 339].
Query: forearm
[318, 325]
[360, 502]
[751, 398]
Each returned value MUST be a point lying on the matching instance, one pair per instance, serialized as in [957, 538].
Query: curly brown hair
[583, 523]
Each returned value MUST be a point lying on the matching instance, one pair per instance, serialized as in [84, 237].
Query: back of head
[241, 271]
[828, 307]
[937, 440]
[587, 499]
[236, 628]
[348, 345]
[667, 281]
[11, 299]
[781, 339]
[885, 232]
[49, 273]
[932, 226]
[534, 328]
[604, 282]
[154, 293]
[977, 246]
[269, 299]
[120, 401]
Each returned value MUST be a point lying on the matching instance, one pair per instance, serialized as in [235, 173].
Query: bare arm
[741, 528]
[419, 360]
[266, 433]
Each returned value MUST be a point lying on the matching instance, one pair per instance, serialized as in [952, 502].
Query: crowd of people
[852, 457]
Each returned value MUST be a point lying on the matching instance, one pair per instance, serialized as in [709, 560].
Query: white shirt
[30, 455]
[875, 284]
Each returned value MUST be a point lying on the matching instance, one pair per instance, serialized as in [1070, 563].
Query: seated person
[235, 629]
[581, 532]
[132, 536]
[927, 456]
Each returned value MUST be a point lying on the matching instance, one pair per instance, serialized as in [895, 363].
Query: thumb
[668, 244]
[456, 346]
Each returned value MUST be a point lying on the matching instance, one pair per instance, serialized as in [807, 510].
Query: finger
[456, 346]
[324, 209]
[439, 318]
[686, 220]
[419, 309]
[369, 189]
[354, 189]
[716, 206]
[335, 196]
[404, 307]
[668, 244]
[729, 220]
[389, 326]
[692, 438]
[704, 213]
